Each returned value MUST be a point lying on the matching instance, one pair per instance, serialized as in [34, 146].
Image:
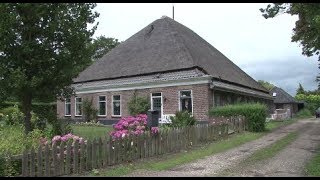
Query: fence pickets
[73, 158]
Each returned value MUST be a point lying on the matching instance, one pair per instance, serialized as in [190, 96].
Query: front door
[156, 102]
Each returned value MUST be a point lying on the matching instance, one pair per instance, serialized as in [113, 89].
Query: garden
[49, 130]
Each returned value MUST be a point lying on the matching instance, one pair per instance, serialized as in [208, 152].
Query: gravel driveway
[288, 162]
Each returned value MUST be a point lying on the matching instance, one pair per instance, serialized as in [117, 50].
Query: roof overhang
[217, 85]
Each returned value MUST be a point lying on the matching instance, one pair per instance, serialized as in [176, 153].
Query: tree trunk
[26, 109]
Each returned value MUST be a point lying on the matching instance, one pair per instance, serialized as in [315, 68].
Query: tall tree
[300, 90]
[43, 46]
[266, 84]
[307, 27]
[102, 45]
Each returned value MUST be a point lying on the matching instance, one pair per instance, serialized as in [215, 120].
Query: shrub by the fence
[182, 119]
[303, 113]
[254, 113]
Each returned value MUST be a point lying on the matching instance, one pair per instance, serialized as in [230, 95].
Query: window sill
[67, 115]
[78, 115]
[102, 115]
[115, 115]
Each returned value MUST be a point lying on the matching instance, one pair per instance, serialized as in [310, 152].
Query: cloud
[286, 73]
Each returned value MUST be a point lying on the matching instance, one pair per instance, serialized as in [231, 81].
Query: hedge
[255, 114]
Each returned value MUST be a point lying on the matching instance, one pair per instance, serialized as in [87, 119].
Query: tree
[43, 46]
[102, 46]
[307, 27]
[266, 84]
[300, 90]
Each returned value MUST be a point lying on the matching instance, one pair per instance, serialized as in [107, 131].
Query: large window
[78, 106]
[186, 101]
[102, 106]
[67, 107]
[116, 105]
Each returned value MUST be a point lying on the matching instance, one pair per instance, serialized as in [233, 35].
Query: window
[78, 106]
[67, 107]
[102, 106]
[185, 101]
[116, 105]
[217, 101]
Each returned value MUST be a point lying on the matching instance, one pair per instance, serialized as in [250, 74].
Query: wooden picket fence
[66, 159]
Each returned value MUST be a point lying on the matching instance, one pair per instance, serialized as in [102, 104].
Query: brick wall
[201, 97]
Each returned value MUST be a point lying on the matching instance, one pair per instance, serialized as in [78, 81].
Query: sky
[260, 47]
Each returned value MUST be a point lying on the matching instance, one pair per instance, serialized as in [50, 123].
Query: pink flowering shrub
[64, 138]
[131, 125]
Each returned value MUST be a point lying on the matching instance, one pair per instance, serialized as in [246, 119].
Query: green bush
[138, 105]
[12, 115]
[254, 113]
[304, 113]
[182, 119]
[89, 112]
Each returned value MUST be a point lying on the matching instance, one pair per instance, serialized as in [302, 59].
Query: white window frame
[65, 107]
[105, 102]
[161, 115]
[191, 94]
[112, 114]
[75, 107]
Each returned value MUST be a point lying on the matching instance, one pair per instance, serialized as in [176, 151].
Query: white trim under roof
[179, 82]
[217, 85]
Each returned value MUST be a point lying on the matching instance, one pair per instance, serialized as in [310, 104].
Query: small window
[78, 106]
[185, 101]
[274, 94]
[116, 105]
[67, 107]
[102, 106]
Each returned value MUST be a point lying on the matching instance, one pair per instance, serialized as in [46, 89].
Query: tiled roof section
[281, 96]
[178, 75]
[165, 45]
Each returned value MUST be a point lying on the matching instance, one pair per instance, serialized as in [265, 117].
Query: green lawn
[91, 132]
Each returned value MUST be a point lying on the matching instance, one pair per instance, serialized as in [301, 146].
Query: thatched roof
[281, 96]
[162, 46]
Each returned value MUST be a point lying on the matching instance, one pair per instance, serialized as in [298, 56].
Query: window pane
[186, 105]
[156, 94]
[116, 108]
[116, 97]
[78, 109]
[68, 109]
[102, 108]
[68, 100]
[102, 98]
[78, 99]
[185, 93]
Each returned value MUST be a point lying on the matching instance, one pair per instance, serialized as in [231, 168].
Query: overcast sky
[261, 47]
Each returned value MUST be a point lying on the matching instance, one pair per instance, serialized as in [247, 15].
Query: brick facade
[201, 98]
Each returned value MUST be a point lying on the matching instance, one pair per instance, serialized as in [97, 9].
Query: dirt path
[290, 161]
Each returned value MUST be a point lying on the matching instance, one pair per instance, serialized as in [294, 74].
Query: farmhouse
[284, 101]
[172, 66]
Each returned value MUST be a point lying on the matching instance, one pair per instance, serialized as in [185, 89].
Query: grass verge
[262, 154]
[272, 149]
[313, 166]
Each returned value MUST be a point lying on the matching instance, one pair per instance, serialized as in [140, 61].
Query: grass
[262, 154]
[272, 149]
[313, 166]
[91, 132]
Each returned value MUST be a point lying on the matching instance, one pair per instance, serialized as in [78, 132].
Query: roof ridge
[180, 40]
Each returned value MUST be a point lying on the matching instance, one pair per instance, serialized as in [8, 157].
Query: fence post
[39, 157]
[47, 164]
[76, 157]
[68, 158]
[61, 158]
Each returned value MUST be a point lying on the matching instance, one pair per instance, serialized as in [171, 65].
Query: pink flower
[154, 130]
